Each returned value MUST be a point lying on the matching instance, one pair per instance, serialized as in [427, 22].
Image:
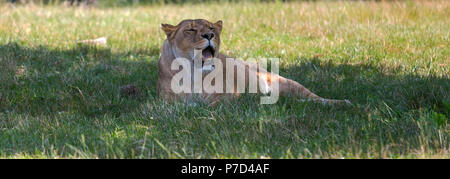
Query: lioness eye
[190, 30]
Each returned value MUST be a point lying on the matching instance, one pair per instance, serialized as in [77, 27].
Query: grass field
[391, 59]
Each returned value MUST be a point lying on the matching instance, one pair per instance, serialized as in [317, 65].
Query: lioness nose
[208, 35]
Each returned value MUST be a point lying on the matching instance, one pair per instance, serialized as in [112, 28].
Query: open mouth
[207, 53]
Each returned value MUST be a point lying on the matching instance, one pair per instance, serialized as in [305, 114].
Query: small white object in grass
[348, 102]
[97, 41]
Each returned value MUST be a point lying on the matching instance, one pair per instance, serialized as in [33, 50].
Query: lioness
[200, 34]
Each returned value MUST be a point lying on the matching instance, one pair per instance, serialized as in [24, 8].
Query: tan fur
[181, 42]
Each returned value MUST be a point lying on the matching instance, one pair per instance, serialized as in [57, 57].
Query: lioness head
[190, 35]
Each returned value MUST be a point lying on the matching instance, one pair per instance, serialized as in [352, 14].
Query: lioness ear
[218, 25]
[168, 29]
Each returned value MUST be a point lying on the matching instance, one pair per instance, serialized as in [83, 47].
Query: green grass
[61, 100]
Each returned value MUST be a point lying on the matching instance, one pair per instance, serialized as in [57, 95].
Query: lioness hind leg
[329, 101]
[288, 87]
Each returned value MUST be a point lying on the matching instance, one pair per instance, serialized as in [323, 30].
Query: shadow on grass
[372, 84]
[85, 80]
